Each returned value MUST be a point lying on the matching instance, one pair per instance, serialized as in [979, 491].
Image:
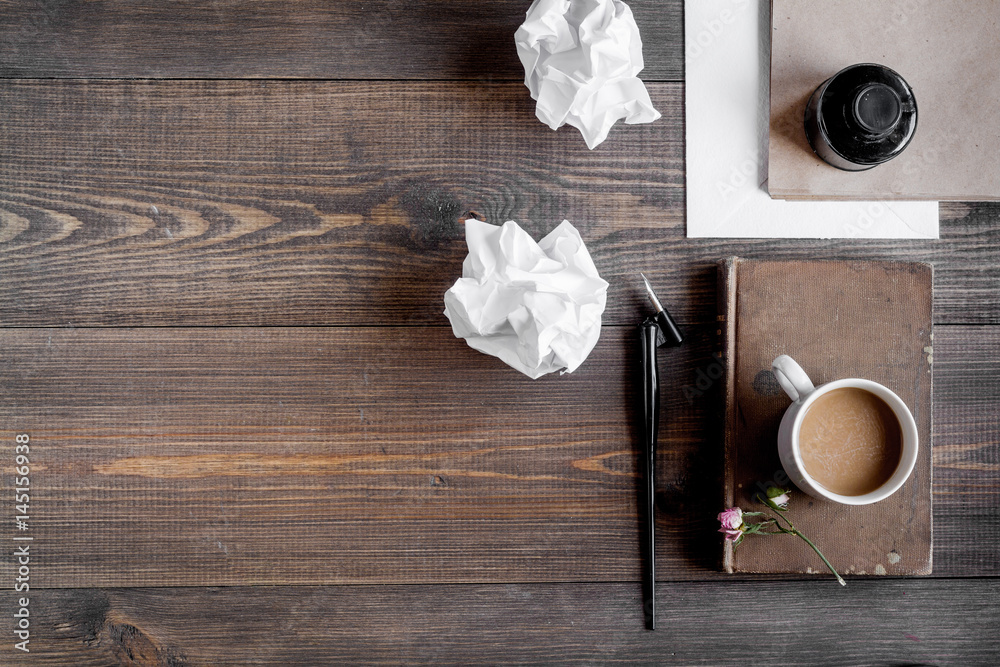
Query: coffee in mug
[852, 441]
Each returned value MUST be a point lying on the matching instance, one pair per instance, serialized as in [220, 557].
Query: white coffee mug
[800, 389]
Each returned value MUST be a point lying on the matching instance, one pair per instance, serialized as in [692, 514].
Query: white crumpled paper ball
[536, 306]
[581, 60]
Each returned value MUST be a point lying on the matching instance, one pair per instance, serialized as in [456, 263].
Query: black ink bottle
[860, 117]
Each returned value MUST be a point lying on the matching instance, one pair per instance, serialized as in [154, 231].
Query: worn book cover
[838, 319]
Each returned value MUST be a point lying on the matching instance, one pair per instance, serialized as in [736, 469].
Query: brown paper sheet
[949, 53]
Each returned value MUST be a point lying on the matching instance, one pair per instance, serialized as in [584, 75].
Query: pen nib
[651, 293]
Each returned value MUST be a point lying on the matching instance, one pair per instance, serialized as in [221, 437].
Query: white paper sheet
[727, 54]
[536, 306]
[581, 60]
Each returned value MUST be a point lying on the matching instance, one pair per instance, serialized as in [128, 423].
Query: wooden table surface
[226, 230]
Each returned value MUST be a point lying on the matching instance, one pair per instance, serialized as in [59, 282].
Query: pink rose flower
[732, 523]
[732, 518]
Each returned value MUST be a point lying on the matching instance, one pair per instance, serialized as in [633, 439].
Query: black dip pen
[654, 332]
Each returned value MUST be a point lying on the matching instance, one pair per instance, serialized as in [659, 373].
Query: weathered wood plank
[966, 442]
[392, 455]
[304, 203]
[922, 621]
[378, 39]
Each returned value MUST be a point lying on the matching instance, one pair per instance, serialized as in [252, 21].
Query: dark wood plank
[304, 203]
[966, 441]
[392, 455]
[898, 622]
[316, 39]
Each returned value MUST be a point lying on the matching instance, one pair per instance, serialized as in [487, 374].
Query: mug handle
[792, 378]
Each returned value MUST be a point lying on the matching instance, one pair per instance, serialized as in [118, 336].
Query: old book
[946, 50]
[838, 319]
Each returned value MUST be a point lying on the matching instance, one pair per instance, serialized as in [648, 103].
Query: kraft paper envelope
[949, 53]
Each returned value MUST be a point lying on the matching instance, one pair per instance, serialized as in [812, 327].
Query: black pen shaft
[649, 332]
[657, 331]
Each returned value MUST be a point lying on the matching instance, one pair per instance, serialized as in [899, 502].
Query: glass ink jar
[862, 116]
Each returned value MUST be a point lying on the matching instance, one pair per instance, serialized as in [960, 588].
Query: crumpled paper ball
[536, 306]
[581, 60]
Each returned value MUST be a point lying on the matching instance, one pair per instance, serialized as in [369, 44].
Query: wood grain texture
[236, 456]
[966, 439]
[380, 39]
[893, 622]
[332, 203]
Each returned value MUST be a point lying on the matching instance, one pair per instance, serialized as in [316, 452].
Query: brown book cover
[838, 319]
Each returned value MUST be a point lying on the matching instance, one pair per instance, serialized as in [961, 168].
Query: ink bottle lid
[862, 116]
